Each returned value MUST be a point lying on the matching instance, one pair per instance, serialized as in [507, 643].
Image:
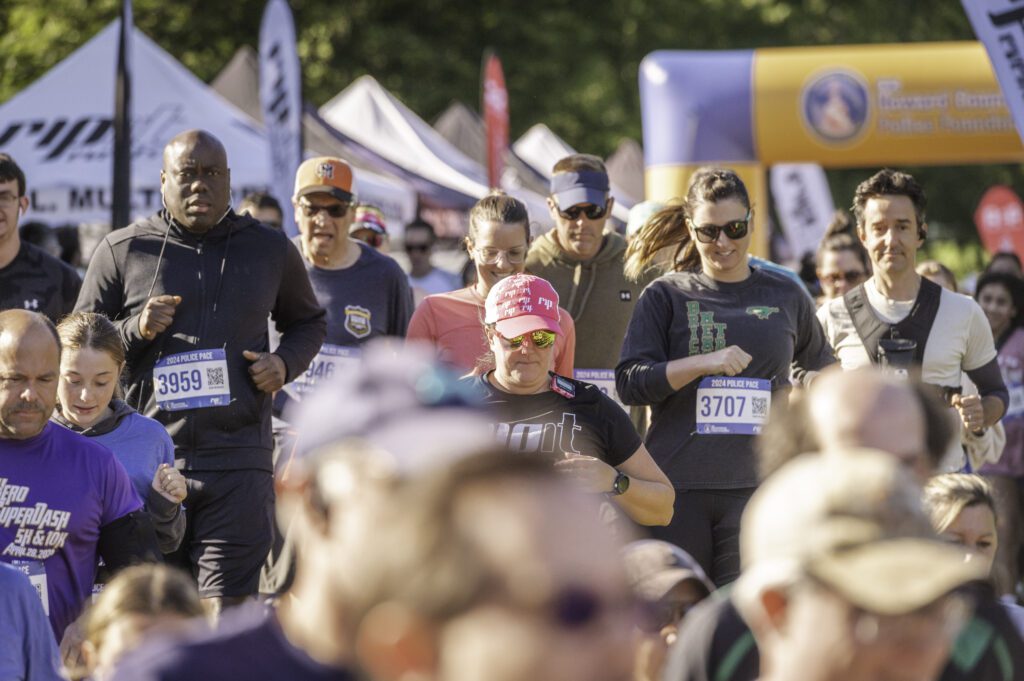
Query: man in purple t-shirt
[64, 499]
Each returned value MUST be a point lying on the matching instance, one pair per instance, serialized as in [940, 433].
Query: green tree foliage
[570, 64]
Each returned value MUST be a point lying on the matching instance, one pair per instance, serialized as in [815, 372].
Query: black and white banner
[803, 203]
[999, 25]
[281, 101]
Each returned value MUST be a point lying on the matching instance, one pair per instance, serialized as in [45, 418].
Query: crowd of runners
[590, 456]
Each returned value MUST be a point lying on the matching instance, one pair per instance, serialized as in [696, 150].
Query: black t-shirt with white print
[572, 418]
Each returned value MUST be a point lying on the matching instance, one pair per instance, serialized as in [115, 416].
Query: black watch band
[621, 484]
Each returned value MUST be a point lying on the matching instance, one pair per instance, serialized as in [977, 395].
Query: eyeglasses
[734, 229]
[335, 210]
[489, 256]
[8, 200]
[590, 210]
[417, 248]
[540, 339]
[850, 277]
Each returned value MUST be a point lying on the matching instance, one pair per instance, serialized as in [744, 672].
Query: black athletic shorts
[229, 530]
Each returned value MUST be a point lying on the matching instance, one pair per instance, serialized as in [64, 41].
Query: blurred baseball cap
[369, 217]
[655, 567]
[573, 188]
[324, 175]
[854, 523]
[413, 414]
[521, 304]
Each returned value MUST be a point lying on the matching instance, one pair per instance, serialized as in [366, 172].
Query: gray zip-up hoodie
[229, 280]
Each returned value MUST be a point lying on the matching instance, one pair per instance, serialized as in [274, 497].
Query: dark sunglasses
[851, 277]
[575, 608]
[417, 248]
[590, 210]
[335, 210]
[540, 339]
[735, 229]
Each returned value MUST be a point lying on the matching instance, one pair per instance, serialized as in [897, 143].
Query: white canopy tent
[239, 83]
[376, 119]
[542, 149]
[59, 130]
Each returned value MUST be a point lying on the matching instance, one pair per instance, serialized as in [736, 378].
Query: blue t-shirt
[28, 651]
[369, 299]
[57, 490]
[141, 444]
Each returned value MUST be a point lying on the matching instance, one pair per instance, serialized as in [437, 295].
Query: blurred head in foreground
[843, 576]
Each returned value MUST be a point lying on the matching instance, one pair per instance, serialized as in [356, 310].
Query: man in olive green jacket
[585, 266]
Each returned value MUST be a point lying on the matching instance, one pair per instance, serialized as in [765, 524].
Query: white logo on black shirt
[543, 438]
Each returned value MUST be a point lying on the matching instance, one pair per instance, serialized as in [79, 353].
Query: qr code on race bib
[759, 406]
[215, 377]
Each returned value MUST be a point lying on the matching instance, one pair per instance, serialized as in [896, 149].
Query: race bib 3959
[192, 380]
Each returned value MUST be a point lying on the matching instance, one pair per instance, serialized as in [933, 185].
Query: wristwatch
[621, 484]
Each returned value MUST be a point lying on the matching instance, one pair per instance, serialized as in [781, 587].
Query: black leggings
[706, 525]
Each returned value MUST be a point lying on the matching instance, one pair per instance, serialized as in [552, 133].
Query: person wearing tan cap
[843, 576]
[668, 583]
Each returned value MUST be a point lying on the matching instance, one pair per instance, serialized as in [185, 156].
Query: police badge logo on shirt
[357, 321]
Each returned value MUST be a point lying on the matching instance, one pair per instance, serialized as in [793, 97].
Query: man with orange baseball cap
[365, 293]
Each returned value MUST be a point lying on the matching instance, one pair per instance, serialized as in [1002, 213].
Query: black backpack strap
[918, 324]
[869, 327]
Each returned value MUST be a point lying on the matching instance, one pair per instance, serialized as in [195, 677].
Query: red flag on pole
[495, 108]
[1000, 221]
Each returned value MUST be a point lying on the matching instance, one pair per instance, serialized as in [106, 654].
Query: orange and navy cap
[324, 175]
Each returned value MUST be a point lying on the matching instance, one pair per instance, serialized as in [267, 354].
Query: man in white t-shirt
[949, 332]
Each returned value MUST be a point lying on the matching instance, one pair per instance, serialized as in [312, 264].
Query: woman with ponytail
[498, 241]
[710, 348]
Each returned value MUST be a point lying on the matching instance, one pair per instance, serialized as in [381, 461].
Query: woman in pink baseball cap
[586, 433]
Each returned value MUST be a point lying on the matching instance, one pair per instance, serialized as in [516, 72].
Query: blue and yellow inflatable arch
[851, 106]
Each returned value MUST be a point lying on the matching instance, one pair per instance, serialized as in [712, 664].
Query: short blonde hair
[947, 495]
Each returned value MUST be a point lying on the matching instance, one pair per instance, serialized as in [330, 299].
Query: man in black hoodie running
[190, 289]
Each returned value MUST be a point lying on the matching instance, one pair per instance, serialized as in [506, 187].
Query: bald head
[191, 139]
[29, 367]
[19, 324]
[865, 408]
[195, 180]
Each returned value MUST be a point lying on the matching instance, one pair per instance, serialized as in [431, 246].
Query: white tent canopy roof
[239, 83]
[375, 118]
[59, 130]
[542, 149]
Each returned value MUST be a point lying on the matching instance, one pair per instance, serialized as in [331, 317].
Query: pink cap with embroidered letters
[522, 304]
